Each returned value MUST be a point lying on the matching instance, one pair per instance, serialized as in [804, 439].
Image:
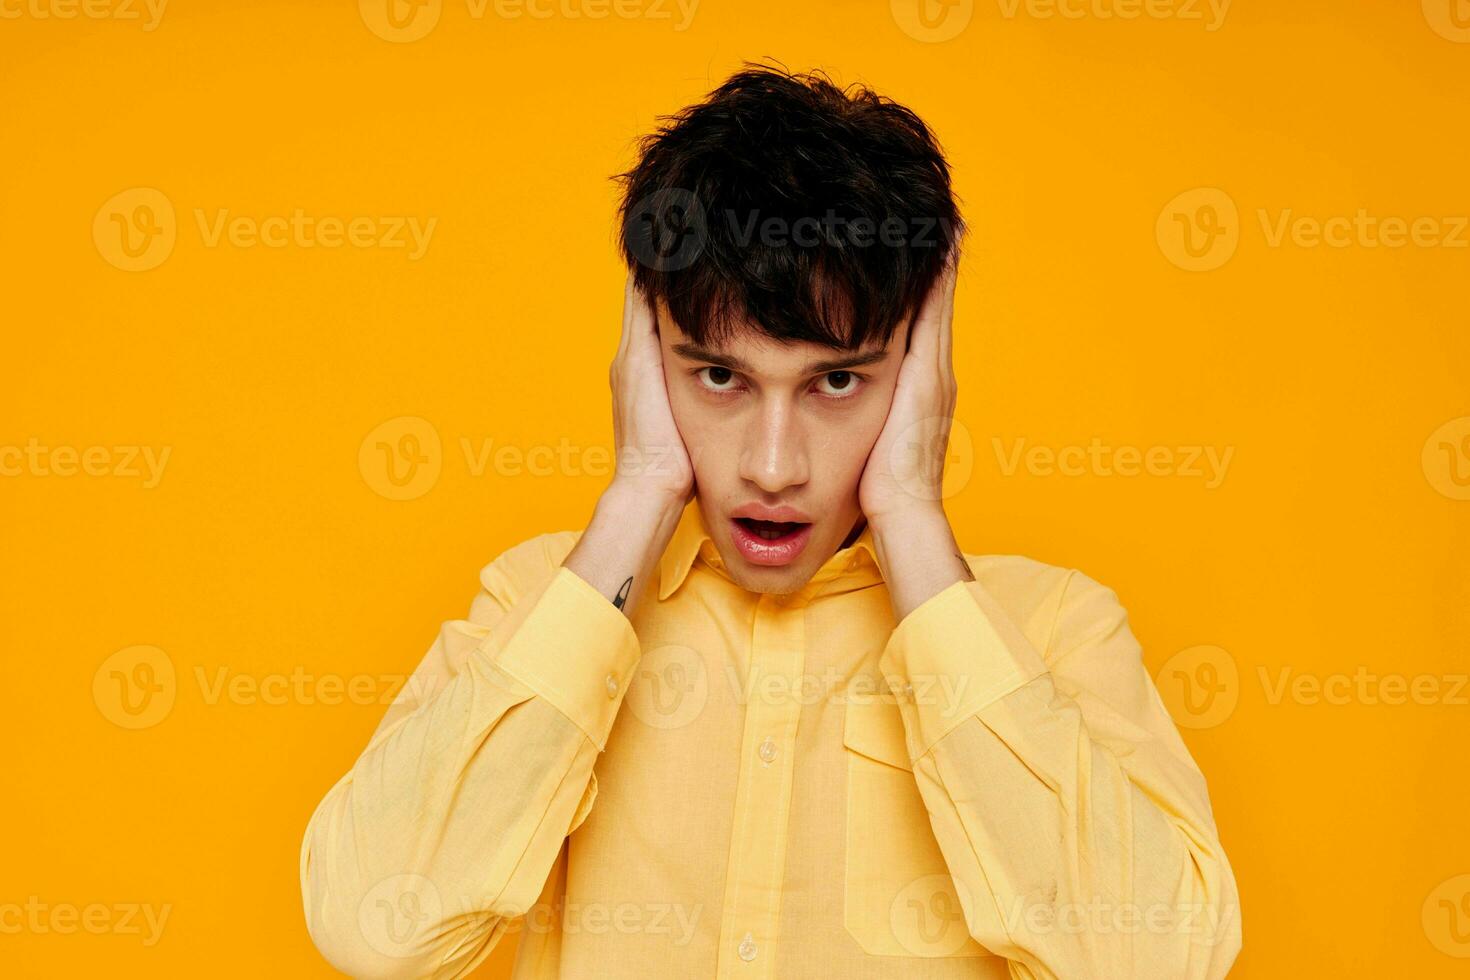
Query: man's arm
[655, 477]
[618, 553]
[1067, 808]
[1074, 822]
[448, 824]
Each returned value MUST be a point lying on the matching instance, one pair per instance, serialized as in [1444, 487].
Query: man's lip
[785, 514]
[761, 551]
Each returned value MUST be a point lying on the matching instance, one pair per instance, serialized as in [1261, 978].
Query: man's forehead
[757, 353]
[750, 349]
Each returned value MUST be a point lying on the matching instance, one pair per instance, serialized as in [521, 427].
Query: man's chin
[770, 579]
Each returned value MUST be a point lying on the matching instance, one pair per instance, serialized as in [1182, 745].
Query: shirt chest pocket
[898, 896]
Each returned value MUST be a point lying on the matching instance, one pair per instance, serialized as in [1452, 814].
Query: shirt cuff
[951, 657]
[576, 650]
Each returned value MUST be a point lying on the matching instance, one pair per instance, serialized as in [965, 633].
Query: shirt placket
[757, 859]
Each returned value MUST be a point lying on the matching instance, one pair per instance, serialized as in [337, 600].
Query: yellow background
[1335, 543]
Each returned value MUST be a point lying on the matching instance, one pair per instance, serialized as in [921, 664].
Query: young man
[763, 717]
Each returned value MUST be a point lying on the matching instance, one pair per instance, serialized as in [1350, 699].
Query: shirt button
[746, 949]
[767, 751]
[908, 690]
[612, 686]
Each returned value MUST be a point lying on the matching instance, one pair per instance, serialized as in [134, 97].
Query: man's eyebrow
[850, 361]
[697, 353]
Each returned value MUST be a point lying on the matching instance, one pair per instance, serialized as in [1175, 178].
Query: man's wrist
[897, 522]
[626, 496]
[918, 556]
[619, 550]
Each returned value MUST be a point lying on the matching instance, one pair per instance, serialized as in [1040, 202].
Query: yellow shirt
[748, 786]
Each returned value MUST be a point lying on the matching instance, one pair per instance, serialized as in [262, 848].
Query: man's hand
[906, 466]
[900, 492]
[651, 456]
[636, 515]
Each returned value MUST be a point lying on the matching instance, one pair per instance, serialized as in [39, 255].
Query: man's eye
[843, 383]
[717, 378]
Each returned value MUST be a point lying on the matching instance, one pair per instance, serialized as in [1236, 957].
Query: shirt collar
[852, 567]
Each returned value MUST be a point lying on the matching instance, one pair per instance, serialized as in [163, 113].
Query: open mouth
[769, 542]
[770, 530]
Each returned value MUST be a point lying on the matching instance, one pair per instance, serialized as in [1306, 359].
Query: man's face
[770, 426]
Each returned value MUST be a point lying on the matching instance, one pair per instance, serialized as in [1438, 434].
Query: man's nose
[774, 456]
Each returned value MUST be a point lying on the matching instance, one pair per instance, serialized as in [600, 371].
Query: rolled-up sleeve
[446, 827]
[1074, 821]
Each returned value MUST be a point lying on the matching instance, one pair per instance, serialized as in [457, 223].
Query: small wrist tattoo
[622, 595]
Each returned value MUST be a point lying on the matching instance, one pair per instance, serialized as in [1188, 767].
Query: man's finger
[628, 301]
[946, 324]
[938, 307]
[642, 324]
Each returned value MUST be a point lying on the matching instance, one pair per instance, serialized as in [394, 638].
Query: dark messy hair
[816, 213]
